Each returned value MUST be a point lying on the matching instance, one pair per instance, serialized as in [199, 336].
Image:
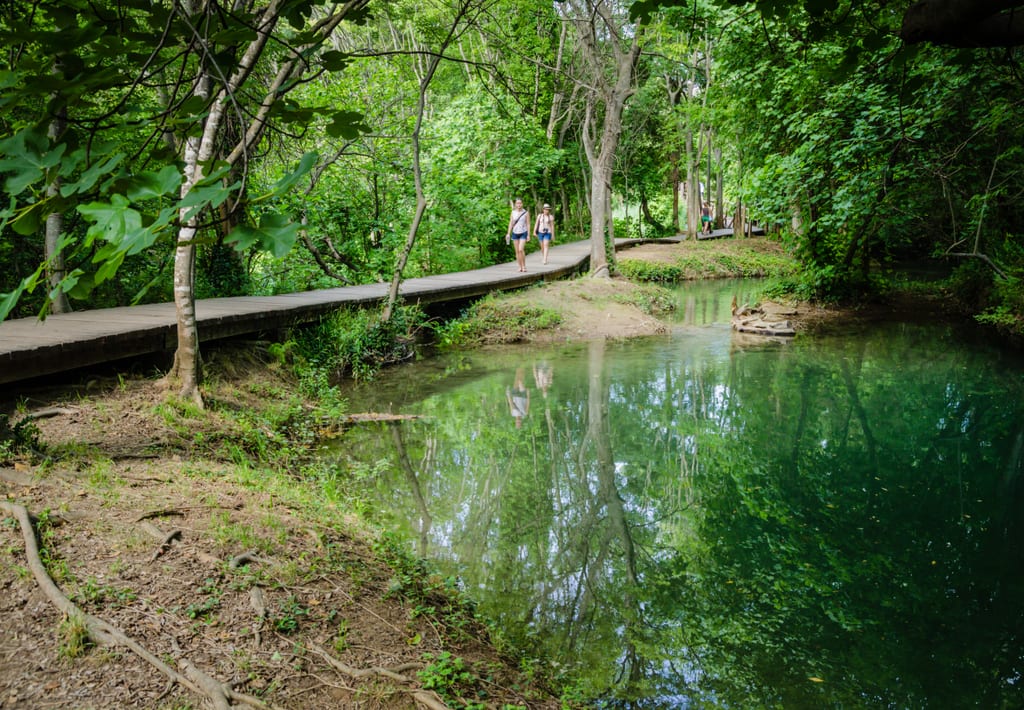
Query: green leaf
[10, 299]
[286, 183]
[334, 60]
[109, 266]
[206, 195]
[91, 175]
[83, 285]
[346, 124]
[27, 223]
[27, 159]
[276, 234]
[149, 184]
[118, 224]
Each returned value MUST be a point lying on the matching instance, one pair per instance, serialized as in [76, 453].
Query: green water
[695, 521]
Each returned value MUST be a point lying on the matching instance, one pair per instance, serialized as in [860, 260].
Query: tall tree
[222, 91]
[609, 43]
[434, 59]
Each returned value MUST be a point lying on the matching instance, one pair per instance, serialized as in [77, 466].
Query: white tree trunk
[692, 189]
[54, 226]
[599, 30]
[186, 374]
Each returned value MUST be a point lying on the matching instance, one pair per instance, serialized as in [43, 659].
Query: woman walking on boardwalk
[545, 230]
[519, 232]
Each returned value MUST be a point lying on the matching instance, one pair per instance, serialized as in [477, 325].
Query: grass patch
[734, 259]
[650, 298]
[492, 321]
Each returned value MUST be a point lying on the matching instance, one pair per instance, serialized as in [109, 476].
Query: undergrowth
[19, 438]
[652, 299]
[491, 321]
[350, 342]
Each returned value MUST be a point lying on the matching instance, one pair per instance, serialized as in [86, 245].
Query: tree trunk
[674, 87]
[421, 200]
[186, 374]
[645, 210]
[54, 227]
[597, 25]
[692, 188]
[719, 197]
[674, 177]
[599, 206]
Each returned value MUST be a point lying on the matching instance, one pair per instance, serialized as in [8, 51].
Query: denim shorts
[519, 235]
[542, 236]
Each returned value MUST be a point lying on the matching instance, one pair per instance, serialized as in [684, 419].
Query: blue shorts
[543, 236]
[519, 235]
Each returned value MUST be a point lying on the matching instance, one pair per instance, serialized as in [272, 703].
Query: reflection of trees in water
[607, 499]
[413, 481]
[735, 526]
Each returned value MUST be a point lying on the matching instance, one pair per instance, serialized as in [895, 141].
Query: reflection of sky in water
[752, 480]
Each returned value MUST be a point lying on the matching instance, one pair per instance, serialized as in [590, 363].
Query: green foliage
[432, 594]
[1006, 312]
[46, 529]
[99, 146]
[651, 299]
[18, 439]
[355, 342]
[450, 677]
[493, 320]
[74, 637]
[93, 592]
[209, 603]
[288, 617]
[651, 271]
[881, 151]
[698, 264]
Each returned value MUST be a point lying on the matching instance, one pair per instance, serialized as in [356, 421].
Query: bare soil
[589, 308]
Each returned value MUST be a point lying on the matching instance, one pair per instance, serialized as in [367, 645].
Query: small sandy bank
[589, 308]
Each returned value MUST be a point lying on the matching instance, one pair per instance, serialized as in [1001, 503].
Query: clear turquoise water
[695, 520]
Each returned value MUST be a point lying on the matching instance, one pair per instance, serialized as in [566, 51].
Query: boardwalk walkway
[32, 348]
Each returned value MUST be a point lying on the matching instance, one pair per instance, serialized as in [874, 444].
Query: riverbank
[634, 304]
[220, 544]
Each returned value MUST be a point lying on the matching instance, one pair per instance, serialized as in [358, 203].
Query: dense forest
[169, 151]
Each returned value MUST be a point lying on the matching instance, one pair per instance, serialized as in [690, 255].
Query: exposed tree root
[105, 634]
[16, 477]
[243, 559]
[49, 412]
[425, 698]
[165, 538]
[260, 607]
[165, 512]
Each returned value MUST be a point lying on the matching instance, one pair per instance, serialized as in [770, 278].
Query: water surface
[696, 520]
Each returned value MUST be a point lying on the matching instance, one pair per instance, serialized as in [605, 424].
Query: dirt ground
[248, 595]
[590, 308]
[234, 591]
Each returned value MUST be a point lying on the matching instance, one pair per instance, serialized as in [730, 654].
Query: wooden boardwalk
[33, 348]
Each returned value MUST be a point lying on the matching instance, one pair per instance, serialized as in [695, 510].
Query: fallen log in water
[757, 321]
